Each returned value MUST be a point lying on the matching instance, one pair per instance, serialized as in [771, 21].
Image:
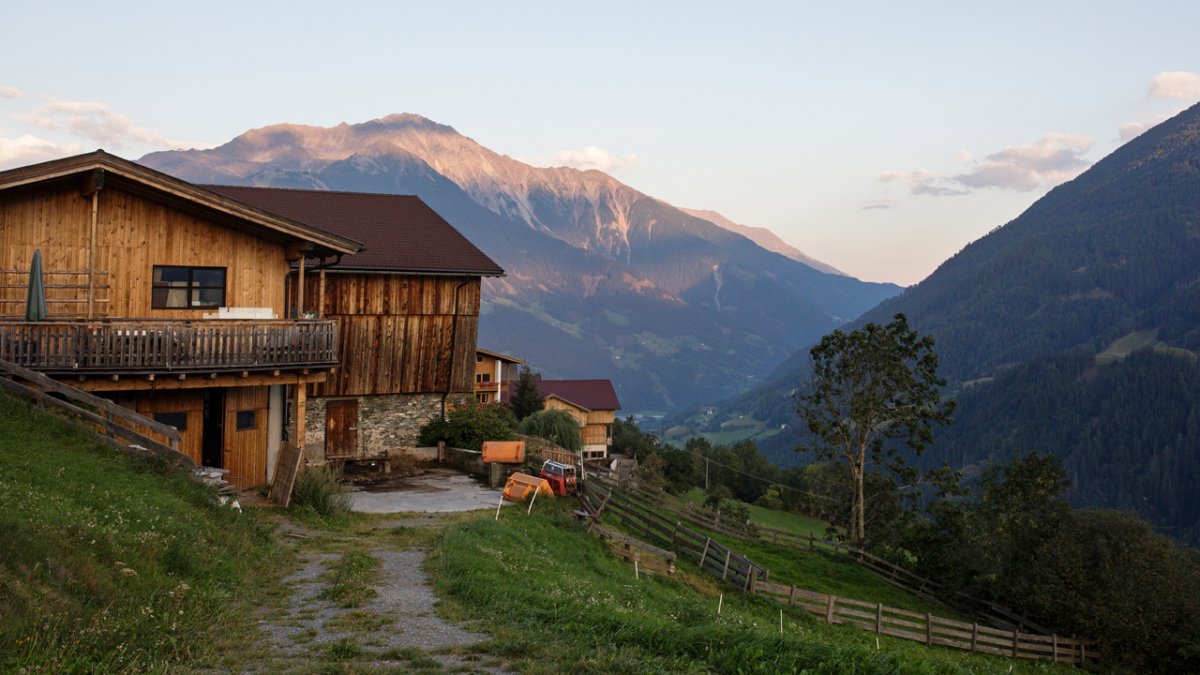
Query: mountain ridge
[603, 280]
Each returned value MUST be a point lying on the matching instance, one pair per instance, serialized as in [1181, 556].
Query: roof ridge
[288, 189]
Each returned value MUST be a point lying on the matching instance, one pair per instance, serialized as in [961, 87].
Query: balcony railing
[131, 345]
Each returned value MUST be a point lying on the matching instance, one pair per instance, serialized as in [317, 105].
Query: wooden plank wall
[394, 332]
[246, 451]
[135, 233]
[186, 401]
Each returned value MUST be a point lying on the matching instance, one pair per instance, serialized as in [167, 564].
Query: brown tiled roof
[587, 394]
[399, 232]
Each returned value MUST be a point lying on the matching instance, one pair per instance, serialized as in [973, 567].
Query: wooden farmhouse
[241, 316]
[407, 314]
[493, 372]
[167, 298]
[593, 403]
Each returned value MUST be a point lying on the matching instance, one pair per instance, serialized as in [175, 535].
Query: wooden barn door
[341, 429]
[246, 436]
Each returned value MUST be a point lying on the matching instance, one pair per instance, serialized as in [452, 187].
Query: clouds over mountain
[1054, 159]
[591, 157]
[1179, 84]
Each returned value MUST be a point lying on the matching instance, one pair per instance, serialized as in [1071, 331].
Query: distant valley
[678, 307]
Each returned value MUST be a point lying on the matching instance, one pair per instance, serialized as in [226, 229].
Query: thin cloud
[1054, 159]
[1179, 84]
[29, 149]
[98, 124]
[878, 204]
[592, 157]
[11, 92]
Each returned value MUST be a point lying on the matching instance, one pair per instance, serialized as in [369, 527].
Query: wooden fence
[599, 495]
[988, 612]
[931, 629]
[709, 555]
[103, 417]
[645, 556]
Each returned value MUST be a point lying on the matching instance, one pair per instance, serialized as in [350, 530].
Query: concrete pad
[435, 491]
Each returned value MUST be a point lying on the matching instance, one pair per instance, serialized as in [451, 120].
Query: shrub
[469, 426]
[320, 489]
[553, 425]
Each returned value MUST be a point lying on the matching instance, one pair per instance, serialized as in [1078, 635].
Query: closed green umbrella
[35, 302]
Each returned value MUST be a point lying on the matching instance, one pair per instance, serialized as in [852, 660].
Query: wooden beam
[301, 410]
[321, 295]
[215, 380]
[91, 293]
[300, 292]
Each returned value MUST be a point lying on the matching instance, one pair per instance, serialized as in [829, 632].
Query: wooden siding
[133, 234]
[394, 332]
[593, 424]
[189, 402]
[246, 451]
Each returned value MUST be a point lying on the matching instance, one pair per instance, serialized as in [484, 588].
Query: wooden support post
[725, 572]
[321, 294]
[300, 290]
[811, 545]
[928, 628]
[1014, 649]
[792, 596]
[91, 296]
[704, 553]
[829, 605]
[879, 617]
[974, 635]
[301, 410]
[1055, 639]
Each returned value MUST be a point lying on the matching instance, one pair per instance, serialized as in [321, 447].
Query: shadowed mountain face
[1040, 318]
[602, 280]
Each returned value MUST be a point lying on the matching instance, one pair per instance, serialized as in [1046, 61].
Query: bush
[553, 425]
[468, 427]
[320, 489]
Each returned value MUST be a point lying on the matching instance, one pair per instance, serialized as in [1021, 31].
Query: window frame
[192, 287]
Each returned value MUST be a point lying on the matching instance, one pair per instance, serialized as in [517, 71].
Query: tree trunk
[860, 506]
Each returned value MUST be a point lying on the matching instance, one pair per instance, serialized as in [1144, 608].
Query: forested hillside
[1108, 261]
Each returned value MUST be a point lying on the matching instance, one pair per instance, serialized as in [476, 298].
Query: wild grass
[319, 490]
[350, 581]
[115, 563]
[555, 600]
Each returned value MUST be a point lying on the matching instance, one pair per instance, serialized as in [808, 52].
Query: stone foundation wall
[386, 422]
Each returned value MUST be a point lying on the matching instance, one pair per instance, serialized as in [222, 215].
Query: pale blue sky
[781, 115]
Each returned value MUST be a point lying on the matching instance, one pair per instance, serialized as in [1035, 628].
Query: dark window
[172, 419]
[247, 419]
[479, 358]
[188, 287]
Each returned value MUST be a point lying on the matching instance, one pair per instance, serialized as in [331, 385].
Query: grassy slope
[555, 600]
[110, 562]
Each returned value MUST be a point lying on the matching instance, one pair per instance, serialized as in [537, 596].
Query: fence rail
[989, 612]
[648, 557]
[103, 417]
[178, 346]
[600, 495]
[931, 629]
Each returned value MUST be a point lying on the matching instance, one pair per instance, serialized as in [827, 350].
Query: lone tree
[872, 391]
[526, 400]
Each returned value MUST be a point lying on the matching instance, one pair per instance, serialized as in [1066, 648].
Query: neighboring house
[407, 311]
[593, 403]
[164, 297]
[493, 372]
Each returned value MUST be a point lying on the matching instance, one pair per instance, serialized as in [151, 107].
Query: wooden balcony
[147, 346]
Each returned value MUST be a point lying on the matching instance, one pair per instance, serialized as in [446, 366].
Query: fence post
[792, 596]
[1014, 652]
[829, 600]
[928, 628]
[974, 635]
[879, 617]
[704, 553]
[1055, 638]
[728, 552]
[811, 546]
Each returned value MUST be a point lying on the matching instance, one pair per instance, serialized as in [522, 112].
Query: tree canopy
[527, 399]
[872, 391]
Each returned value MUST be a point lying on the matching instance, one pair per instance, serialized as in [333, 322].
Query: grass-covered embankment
[555, 600]
[115, 563]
